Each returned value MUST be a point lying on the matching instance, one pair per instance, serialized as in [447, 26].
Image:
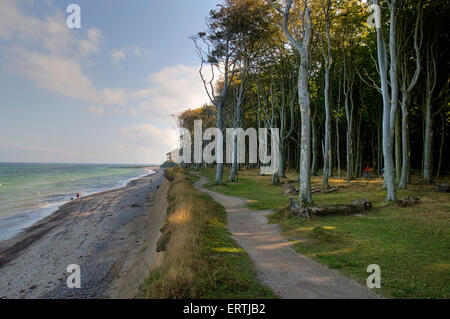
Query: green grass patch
[411, 245]
[201, 259]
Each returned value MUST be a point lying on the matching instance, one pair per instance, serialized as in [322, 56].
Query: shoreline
[94, 232]
[16, 230]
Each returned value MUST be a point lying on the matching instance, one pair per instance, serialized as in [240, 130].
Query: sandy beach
[111, 235]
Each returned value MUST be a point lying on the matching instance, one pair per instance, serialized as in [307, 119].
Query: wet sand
[111, 235]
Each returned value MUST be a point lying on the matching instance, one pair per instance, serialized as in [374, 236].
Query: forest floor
[411, 245]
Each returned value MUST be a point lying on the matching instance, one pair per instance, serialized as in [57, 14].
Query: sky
[103, 93]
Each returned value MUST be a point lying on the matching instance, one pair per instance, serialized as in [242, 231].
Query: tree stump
[408, 201]
[289, 189]
[298, 209]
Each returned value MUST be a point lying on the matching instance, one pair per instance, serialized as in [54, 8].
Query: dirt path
[289, 274]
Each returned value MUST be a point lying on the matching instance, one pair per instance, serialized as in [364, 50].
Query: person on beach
[78, 195]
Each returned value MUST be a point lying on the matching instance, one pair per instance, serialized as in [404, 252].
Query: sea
[30, 192]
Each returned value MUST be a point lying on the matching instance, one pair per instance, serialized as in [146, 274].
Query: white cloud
[56, 65]
[56, 62]
[64, 76]
[51, 33]
[55, 73]
[174, 89]
[47, 53]
[92, 43]
[117, 56]
[136, 50]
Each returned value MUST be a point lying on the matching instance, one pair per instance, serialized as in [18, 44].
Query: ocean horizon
[32, 191]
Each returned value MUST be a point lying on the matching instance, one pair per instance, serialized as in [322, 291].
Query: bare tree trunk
[219, 169]
[357, 170]
[348, 93]
[379, 142]
[326, 153]
[314, 165]
[406, 96]
[441, 148]
[428, 142]
[237, 123]
[338, 155]
[303, 48]
[338, 151]
[389, 171]
[282, 112]
[430, 85]
[328, 60]
[305, 158]
[404, 179]
[398, 147]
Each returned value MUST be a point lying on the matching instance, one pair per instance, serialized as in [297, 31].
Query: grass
[201, 260]
[411, 245]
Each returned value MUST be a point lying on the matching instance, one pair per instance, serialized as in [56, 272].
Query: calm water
[29, 192]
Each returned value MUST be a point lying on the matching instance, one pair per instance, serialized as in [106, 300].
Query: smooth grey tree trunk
[326, 153]
[398, 146]
[303, 48]
[314, 166]
[441, 148]
[389, 169]
[237, 123]
[406, 90]
[430, 86]
[327, 161]
[348, 94]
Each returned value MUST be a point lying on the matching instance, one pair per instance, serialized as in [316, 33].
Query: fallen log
[357, 207]
[335, 209]
[363, 203]
[325, 190]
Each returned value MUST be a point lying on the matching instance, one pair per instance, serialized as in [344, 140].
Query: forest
[350, 85]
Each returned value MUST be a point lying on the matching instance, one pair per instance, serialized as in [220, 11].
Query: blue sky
[100, 94]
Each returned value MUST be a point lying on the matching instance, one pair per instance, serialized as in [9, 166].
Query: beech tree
[302, 45]
[300, 65]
